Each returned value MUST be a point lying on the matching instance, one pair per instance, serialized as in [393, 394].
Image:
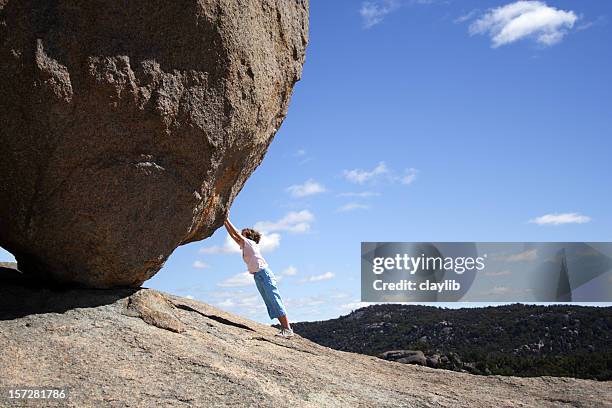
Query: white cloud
[599, 21]
[363, 194]
[360, 176]
[559, 219]
[500, 290]
[230, 246]
[373, 12]
[525, 256]
[305, 302]
[251, 304]
[200, 265]
[353, 207]
[409, 177]
[189, 297]
[524, 19]
[465, 17]
[317, 278]
[290, 271]
[296, 222]
[310, 187]
[237, 281]
[268, 243]
[497, 273]
[223, 293]
[354, 305]
[303, 156]
[226, 303]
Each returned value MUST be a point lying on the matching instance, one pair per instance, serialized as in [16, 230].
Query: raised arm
[233, 232]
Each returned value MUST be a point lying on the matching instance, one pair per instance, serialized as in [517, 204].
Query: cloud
[290, 271]
[296, 222]
[498, 273]
[237, 281]
[268, 243]
[354, 305]
[465, 17]
[317, 278]
[226, 303]
[200, 265]
[248, 303]
[560, 219]
[223, 293]
[360, 176]
[409, 177]
[310, 187]
[353, 207]
[374, 12]
[500, 290]
[524, 19]
[189, 297]
[227, 248]
[309, 301]
[599, 21]
[525, 256]
[363, 194]
[303, 156]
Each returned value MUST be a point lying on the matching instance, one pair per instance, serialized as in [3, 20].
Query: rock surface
[129, 127]
[92, 342]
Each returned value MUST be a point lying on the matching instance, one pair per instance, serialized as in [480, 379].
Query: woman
[248, 240]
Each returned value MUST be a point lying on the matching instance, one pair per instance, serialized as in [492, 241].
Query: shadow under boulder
[21, 296]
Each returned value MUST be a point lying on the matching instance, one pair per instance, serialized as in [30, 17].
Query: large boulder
[127, 128]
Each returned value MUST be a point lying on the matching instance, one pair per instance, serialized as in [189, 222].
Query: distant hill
[521, 340]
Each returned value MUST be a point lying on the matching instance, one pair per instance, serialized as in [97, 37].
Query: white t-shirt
[252, 255]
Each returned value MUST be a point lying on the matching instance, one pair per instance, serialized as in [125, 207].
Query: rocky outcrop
[405, 356]
[129, 127]
[121, 348]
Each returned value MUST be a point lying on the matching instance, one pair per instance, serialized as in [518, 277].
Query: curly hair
[252, 234]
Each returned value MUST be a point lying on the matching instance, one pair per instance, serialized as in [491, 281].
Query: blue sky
[421, 120]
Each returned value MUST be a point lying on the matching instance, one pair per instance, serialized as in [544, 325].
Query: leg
[261, 287]
[266, 283]
[284, 322]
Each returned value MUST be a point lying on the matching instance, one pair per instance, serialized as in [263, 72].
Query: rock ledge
[133, 348]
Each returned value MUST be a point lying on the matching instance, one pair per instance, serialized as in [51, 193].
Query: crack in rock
[218, 319]
[261, 338]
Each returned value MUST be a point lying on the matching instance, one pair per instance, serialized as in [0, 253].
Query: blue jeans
[266, 284]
